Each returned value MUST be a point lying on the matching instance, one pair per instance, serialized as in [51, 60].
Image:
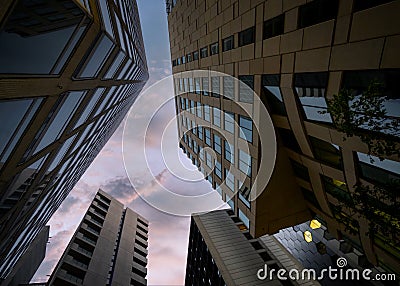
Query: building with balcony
[213, 260]
[69, 72]
[295, 56]
[108, 248]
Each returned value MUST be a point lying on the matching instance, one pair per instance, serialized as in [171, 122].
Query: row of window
[217, 86]
[228, 152]
[204, 112]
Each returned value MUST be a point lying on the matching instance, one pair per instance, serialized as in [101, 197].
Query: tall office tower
[294, 55]
[214, 260]
[69, 71]
[108, 248]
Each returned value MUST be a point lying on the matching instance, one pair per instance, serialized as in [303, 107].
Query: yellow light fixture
[314, 224]
[307, 236]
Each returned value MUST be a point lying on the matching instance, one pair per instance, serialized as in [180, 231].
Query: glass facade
[51, 135]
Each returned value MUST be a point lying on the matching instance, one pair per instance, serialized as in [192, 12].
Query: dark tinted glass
[30, 41]
[317, 11]
[247, 37]
[227, 44]
[274, 26]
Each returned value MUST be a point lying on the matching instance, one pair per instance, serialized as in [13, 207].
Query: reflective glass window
[204, 52]
[59, 122]
[115, 65]
[217, 169]
[274, 26]
[215, 85]
[247, 37]
[206, 86]
[227, 44]
[12, 113]
[208, 136]
[29, 44]
[383, 172]
[217, 116]
[244, 218]
[214, 48]
[316, 12]
[245, 163]
[207, 112]
[229, 152]
[105, 13]
[246, 126]
[272, 94]
[89, 106]
[229, 122]
[98, 57]
[229, 180]
[326, 152]
[61, 152]
[217, 144]
[229, 87]
[311, 89]
[246, 87]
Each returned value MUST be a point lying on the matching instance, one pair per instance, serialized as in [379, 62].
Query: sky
[118, 167]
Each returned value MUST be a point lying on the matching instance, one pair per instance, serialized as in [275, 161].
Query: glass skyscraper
[69, 72]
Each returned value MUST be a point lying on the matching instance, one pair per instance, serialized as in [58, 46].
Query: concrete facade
[108, 248]
[294, 55]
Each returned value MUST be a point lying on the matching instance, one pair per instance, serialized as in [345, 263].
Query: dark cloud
[120, 188]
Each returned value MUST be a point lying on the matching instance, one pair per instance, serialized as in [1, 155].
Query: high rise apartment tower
[108, 248]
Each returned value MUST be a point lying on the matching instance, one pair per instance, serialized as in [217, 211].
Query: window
[229, 122]
[247, 37]
[189, 58]
[201, 151]
[214, 48]
[200, 132]
[326, 152]
[311, 89]
[217, 116]
[227, 44]
[359, 82]
[198, 110]
[310, 197]
[192, 110]
[336, 188]
[274, 27]
[174, 63]
[244, 193]
[183, 60]
[379, 172]
[316, 12]
[97, 58]
[289, 140]
[359, 5]
[244, 219]
[209, 160]
[195, 55]
[246, 87]
[197, 85]
[207, 112]
[215, 86]
[229, 152]
[206, 87]
[28, 46]
[230, 203]
[15, 115]
[195, 147]
[204, 52]
[208, 136]
[178, 61]
[115, 65]
[217, 144]
[191, 86]
[229, 180]
[300, 170]
[218, 170]
[272, 94]
[245, 163]
[229, 87]
[246, 127]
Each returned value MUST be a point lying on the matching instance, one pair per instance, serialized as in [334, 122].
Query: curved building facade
[69, 72]
[296, 55]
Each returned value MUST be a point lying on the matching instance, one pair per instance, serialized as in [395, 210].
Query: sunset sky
[168, 234]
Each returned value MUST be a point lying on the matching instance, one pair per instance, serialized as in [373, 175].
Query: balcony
[71, 260]
[80, 249]
[94, 211]
[86, 239]
[63, 274]
[91, 229]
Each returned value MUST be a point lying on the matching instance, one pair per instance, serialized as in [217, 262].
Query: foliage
[379, 205]
[365, 116]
